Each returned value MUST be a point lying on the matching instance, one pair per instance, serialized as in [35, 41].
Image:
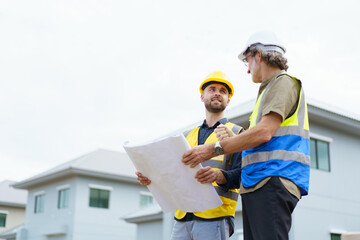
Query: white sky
[76, 76]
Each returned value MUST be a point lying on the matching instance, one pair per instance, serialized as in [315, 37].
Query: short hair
[271, 58]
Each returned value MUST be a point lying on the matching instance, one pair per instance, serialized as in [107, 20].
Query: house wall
[15, 216]
[333, 202]
[97, 223]
[41, 226]
[151, 230]
[238, 231]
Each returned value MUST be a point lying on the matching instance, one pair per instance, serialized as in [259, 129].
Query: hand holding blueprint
[172, 183]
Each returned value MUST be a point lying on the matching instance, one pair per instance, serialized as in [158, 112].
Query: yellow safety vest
[221, 162]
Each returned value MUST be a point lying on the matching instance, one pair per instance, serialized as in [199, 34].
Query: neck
[212, 118]
[267, 72]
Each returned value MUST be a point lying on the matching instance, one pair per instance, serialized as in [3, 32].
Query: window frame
[5, 214]
[38, 208]
[146, 194]
[100, 188]
[60, 190]
[336, 233]
[319, 138]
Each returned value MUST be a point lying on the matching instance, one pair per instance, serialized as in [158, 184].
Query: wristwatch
[218, 149]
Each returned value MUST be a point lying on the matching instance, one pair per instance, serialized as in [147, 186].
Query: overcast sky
[76, 76]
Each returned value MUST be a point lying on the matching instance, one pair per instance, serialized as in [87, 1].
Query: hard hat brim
[242, 56]
[227, 84]
[279, 49]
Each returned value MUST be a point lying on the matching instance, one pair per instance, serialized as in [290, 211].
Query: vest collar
[221, 121]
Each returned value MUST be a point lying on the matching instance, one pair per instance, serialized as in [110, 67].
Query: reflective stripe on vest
[221, 162]
[287, 154]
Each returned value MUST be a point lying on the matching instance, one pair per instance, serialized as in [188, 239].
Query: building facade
[84, 199]
[12, 206]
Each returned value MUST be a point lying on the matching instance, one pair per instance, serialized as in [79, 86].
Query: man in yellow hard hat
[275, 149]
[218, 223]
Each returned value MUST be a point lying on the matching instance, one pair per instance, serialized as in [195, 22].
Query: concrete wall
[80, 221]
[151, 230]
[333, 203]
[98, 223]
[52, 221]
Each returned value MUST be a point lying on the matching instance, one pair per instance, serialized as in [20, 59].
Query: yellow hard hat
[217, 77]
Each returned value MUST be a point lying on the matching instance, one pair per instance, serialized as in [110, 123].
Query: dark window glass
[319, 154]
[2, 219]
[335, 236]
[99, 198]
[313, 156]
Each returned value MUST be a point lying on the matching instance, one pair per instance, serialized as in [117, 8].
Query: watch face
[219, 150]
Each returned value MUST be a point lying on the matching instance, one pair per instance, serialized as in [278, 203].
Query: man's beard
[214, 109]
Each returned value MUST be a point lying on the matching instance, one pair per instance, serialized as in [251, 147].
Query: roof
[10, 196]
[11, 233]
[101, 163]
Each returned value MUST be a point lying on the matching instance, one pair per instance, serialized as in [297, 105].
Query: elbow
[265, 136]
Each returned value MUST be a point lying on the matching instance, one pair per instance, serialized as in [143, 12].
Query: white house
[83, 199]
[333, 204]
[12, 206]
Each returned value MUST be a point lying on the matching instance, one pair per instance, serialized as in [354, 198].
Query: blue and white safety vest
[287, 154]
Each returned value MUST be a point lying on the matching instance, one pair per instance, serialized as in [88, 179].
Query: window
[335, 236]
[99, 198]
[145, 199]
[63, 198]
[319, 154]
[39, 203]
[3, 219]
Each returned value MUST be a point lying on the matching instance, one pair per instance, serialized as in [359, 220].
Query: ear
[228, 101]
[258, 56]
[202, 97]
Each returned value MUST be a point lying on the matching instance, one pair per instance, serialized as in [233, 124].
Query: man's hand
[142, 179]
[209, 175]
[198, 154]
[223, 132]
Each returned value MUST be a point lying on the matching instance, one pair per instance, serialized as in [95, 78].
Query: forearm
[233, 179]
[249, 139]
[253, 137]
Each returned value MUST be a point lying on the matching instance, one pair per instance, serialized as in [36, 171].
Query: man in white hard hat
[275, 148]
[218, 223]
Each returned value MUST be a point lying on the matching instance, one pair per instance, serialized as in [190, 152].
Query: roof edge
[12, 204]
[71, 172]
[145, 218]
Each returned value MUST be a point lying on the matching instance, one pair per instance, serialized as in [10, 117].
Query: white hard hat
[265, 41]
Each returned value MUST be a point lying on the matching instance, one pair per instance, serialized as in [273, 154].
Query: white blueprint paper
[172, 183]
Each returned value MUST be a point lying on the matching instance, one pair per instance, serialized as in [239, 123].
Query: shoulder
[282, 96]
[284, 85]
[285, 81]
[187, 132]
